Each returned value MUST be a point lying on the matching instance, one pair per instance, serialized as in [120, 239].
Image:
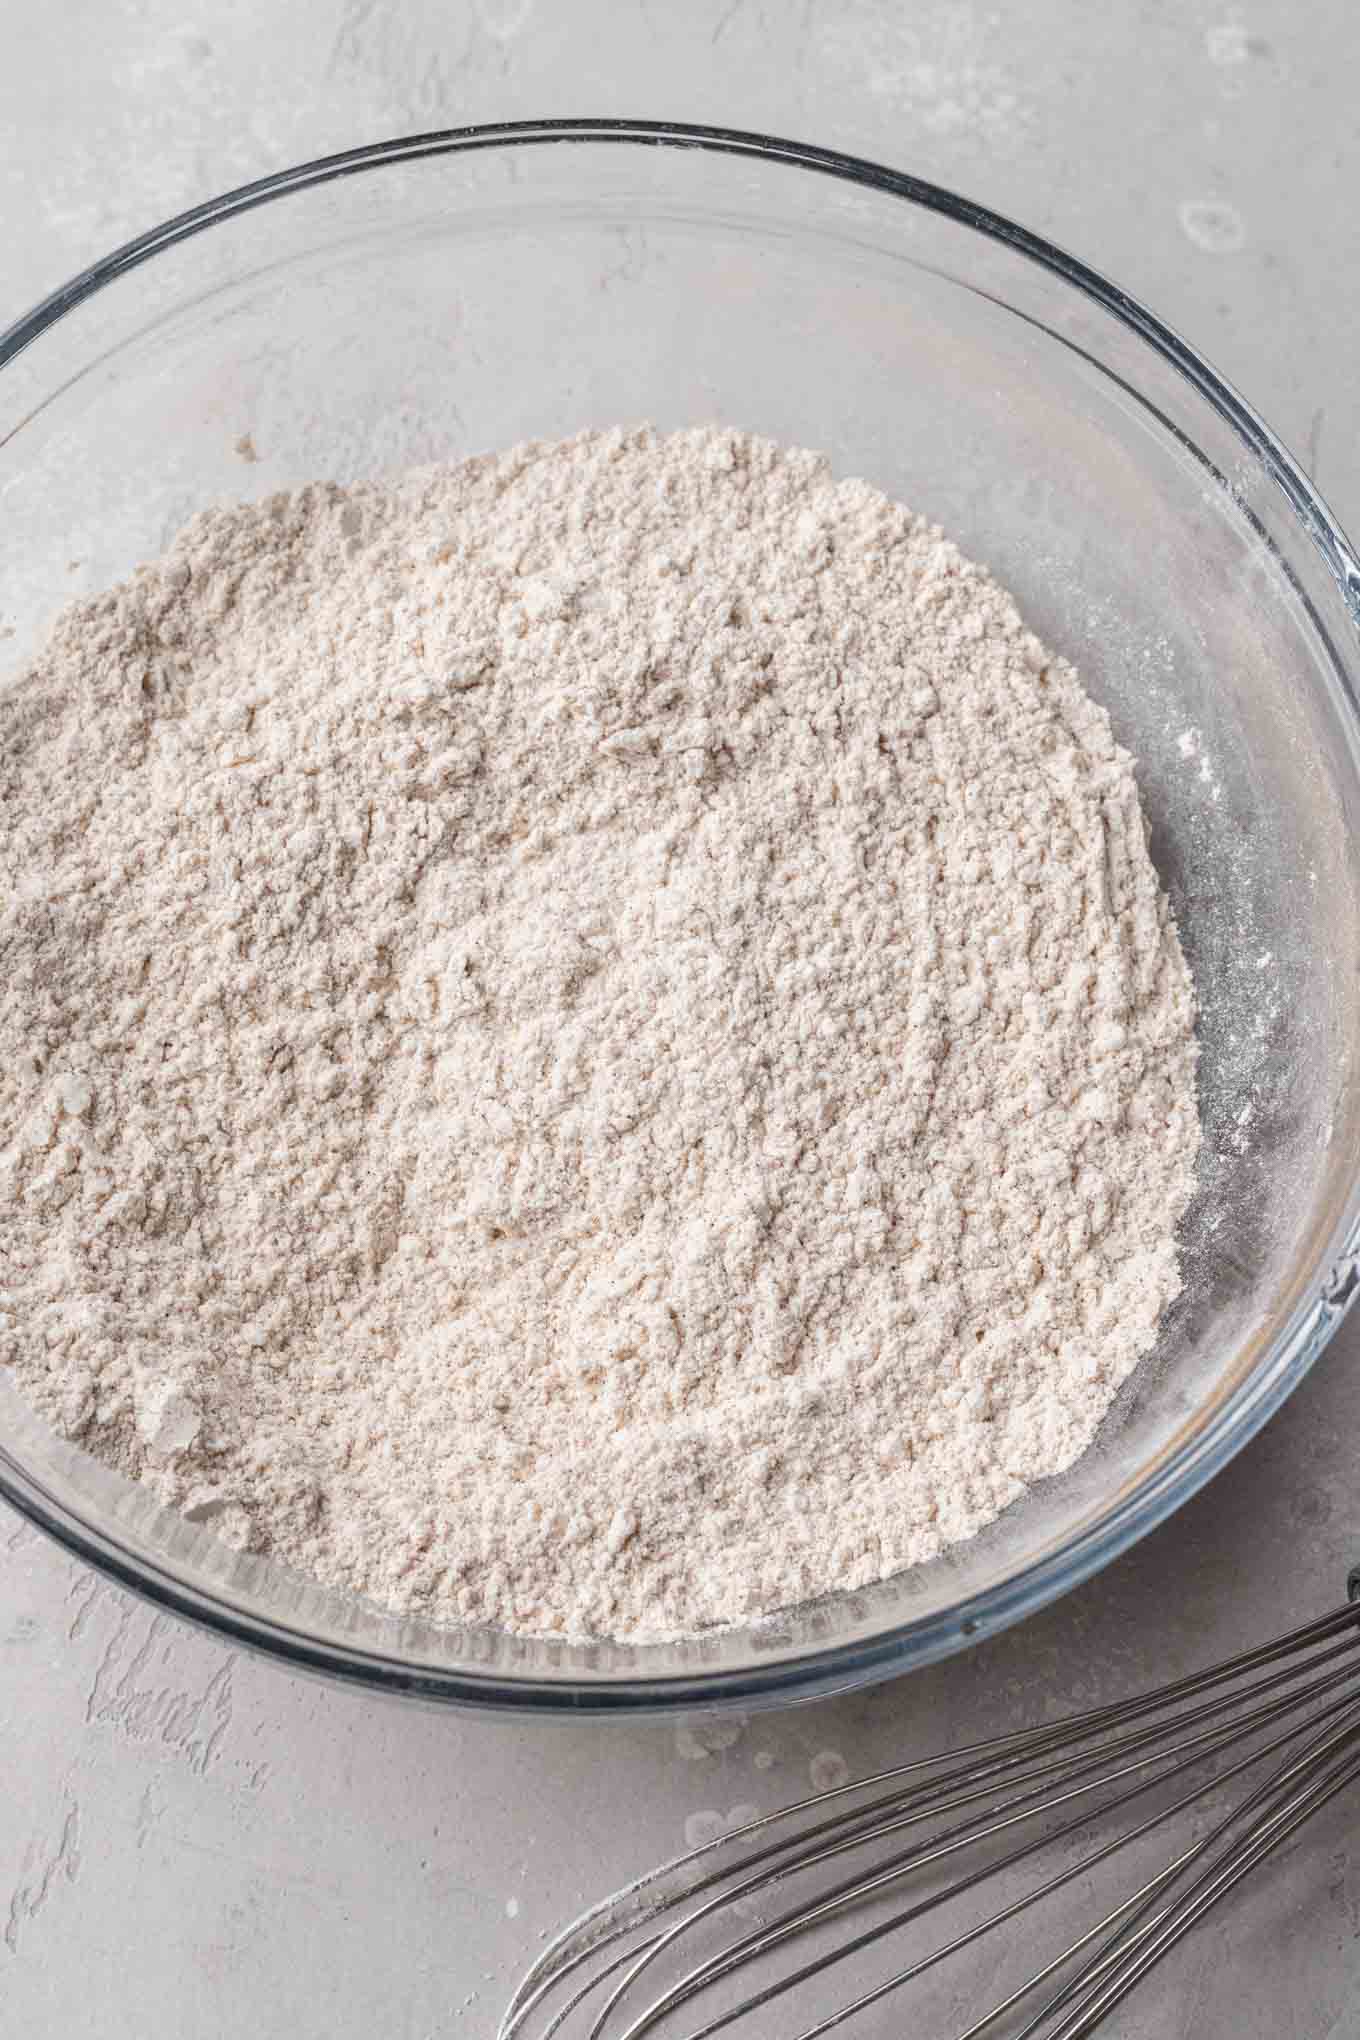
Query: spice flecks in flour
[589, 1040]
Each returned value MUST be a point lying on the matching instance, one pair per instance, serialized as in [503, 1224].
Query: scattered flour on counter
[589, 1040]
[1190, 744]
[709, 1824]
[704, 1827]
[827, 1771]
[707, 1736]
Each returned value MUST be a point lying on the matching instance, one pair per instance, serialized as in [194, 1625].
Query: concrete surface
[196, 1844]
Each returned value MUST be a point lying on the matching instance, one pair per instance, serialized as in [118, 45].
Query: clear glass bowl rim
[1297, 1342]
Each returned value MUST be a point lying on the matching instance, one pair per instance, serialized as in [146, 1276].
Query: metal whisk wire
[1298, 1694]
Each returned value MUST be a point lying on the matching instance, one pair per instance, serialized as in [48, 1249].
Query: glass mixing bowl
[425, 298]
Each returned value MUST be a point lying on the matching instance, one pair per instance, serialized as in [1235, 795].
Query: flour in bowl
[588, 1040]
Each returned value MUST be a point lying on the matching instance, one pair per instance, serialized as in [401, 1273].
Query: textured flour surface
[589, 1040]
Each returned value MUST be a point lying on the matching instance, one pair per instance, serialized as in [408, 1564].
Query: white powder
[589, 1040]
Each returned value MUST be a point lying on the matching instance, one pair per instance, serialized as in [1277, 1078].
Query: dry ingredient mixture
[588, 1040]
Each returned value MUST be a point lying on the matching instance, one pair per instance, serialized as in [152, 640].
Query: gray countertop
[199, 1844]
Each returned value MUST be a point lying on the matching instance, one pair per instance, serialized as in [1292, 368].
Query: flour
[589, 1040]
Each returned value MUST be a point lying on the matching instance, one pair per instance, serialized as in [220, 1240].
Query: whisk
[961, 1846]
